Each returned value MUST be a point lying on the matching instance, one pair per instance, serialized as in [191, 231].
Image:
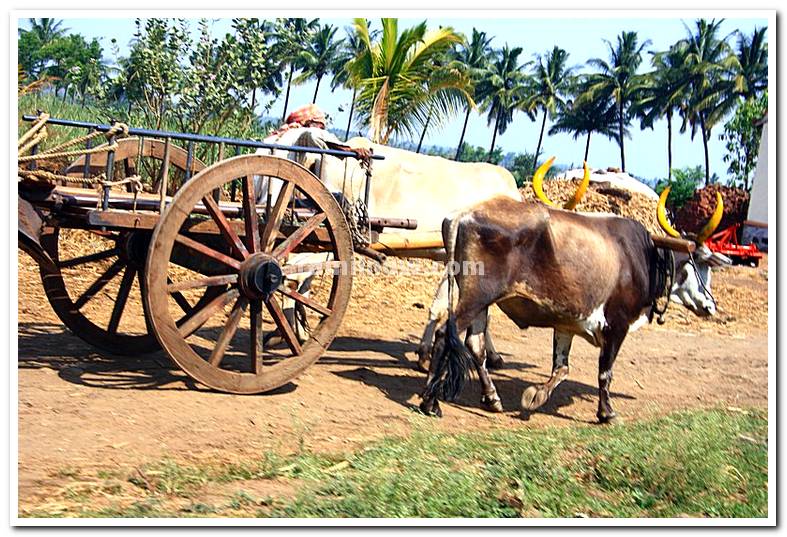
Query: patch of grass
[700, 463]
[686, 464]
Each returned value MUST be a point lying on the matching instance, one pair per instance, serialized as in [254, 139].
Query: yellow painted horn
[714, 221]
[662, 214]
[581, 189]
[538, 180]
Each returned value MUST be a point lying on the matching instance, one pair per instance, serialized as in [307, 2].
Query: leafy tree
[709, 60]
[683, 183]
[551, 82]
[618, 78]
[472, 58]
[395, 76]
[584, 117]
[291, 34]
[72, 61]
[475, 153]
[502, 90]
[250, 50]
[742, 139]
[665, 92]
[318, 56]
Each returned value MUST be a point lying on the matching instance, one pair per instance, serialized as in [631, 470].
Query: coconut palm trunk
[462, 138]
[705, 135]
[620, 138]
[494, 137]
[587, 146]
[287, 95]
[540, 139]
[669, 146]
[423, 133]
[316, 89]
[350, 119]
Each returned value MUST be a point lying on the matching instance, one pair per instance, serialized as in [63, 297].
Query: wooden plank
[672, 243]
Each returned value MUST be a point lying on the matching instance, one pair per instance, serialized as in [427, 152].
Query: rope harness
[663, 275]
[356, 212]
[38, 133]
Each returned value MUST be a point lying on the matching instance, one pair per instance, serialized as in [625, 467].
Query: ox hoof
[431, 408]
[534, 397]
[491, 404]
[494, 361]
[608, 418]
[423, 361]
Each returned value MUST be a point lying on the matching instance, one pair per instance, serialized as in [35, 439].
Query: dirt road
[81, 411]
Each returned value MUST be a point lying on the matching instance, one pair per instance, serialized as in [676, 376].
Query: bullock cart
[199, 260]
[203, 253]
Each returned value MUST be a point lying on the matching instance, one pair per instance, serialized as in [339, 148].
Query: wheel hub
[133, 248]
[260, 275]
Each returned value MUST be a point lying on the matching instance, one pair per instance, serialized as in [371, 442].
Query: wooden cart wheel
[97, 289]
[221, 344]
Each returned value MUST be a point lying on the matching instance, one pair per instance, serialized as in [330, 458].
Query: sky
[583, 38]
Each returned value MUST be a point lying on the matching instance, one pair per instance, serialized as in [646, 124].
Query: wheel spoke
[120, 301]
[284, 326]
[325, 266]
[306, 301]
[276, 215]
[224, 227]
[207, 251]
[200, 317]
[209, 281]
[98, 256]
[292, 242]
[230, 327]
[255, 337]
[99, 284]
[250, 215]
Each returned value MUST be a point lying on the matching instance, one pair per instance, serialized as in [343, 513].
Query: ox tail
[453, 362]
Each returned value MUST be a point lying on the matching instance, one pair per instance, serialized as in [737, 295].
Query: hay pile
[601, 198]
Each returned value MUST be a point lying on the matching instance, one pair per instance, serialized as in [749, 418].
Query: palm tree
[291, 34]
[551, 81]
[584, 117]
[666, 91]
[502, 90]
[752, 74]
[342, 76]
[474, 58]
[393, 76]
[46, 29]
[318, 56]
[451, 88]
[618, 78]
[713, 96]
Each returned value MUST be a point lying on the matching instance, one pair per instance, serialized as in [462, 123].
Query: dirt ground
[81, 411]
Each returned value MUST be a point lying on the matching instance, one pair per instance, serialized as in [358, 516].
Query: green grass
[701, 463]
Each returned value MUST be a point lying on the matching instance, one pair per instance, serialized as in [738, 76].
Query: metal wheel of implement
[98, 286]
[223, 344]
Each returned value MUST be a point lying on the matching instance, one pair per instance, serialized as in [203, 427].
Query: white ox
[404, 185]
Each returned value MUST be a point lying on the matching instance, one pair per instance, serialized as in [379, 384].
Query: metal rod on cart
[234, 184]
[109, 174]
[201, 138]
[164, 177]
[88, 145]
[189, 159]
[220, 157]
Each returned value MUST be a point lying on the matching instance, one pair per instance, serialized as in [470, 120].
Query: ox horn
[714, 221]
[538, 180]
[662, 214]
[538, 186]
[583, 187]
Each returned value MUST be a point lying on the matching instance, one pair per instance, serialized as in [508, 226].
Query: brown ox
[593, 276]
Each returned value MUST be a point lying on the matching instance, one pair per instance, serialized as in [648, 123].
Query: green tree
[250, 49]
[394, 74]
[742, 139]
[584, 117]
[618, 78]
[291, 34]
[551, 82]
[502, 90]
[751, 77]
[683, 183]
[709, 60]
[665, 92]
[473, 58]
[72, 61]
[318, 56]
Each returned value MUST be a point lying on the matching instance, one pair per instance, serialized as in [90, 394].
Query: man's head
[308, 116]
